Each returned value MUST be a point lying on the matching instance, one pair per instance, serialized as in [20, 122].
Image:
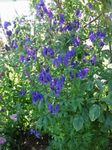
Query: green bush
[55, 82]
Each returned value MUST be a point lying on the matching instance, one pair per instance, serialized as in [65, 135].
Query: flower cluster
[48, 52]
[69, 54]
[44, 76]
[98, 35]
[56, 84]
[30, 54]
[53, 109]
[41, 9]
[36, 96]
[82, 73]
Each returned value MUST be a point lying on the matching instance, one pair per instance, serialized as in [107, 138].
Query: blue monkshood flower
[48, 52]
[9, 32]
[76, 41]
[90, 5]
[22, 58]
[56, 85]
[41, 3]
[82, 73]
[39, 7]
[69, 27]
[35, 132]
[36, 96]
[22, 93]
[92, 36]
[101, 43]
[101, 34]
[14, 44]
[61, 18]
[85, 60]
[57, 60]
[6, 24]
[76, 24]
[54, 22]
[93, 60]
[44, 77]
[78, 13]
[31, 53]
[74, 64]
[69, 54]
[53, 109]
[50, 14]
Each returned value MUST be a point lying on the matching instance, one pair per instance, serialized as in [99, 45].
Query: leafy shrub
[56, 83]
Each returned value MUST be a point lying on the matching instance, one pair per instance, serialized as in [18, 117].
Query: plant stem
[93, 20]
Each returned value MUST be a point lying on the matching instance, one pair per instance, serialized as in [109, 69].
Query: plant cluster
[55, 81]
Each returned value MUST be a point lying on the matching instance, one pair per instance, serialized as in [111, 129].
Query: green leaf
[108, 99]
[78, 123]
[94, 112]
[99, 84]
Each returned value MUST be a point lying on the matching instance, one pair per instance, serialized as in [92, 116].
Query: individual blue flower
[57, 60]
[74, 64]
[44, 77]
[82, 73]
[101, 43]
[35, 133]
[93, 60]
[101, 34]
[84, 59]
[76, 41]
[22, 93]
[22, 58]
[14, 44]
[6, 24]
[36, 96]
[41, 3]
[78, 13]
[9, 32]
[53, 109]
[92, 36]
[48, 52]
[61, 18]
[90, 5]
[69, 27]
[50, 14]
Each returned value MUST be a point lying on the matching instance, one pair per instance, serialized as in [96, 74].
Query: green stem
[93, 20]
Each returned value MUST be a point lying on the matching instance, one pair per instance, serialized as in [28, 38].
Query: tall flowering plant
[59, 84]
